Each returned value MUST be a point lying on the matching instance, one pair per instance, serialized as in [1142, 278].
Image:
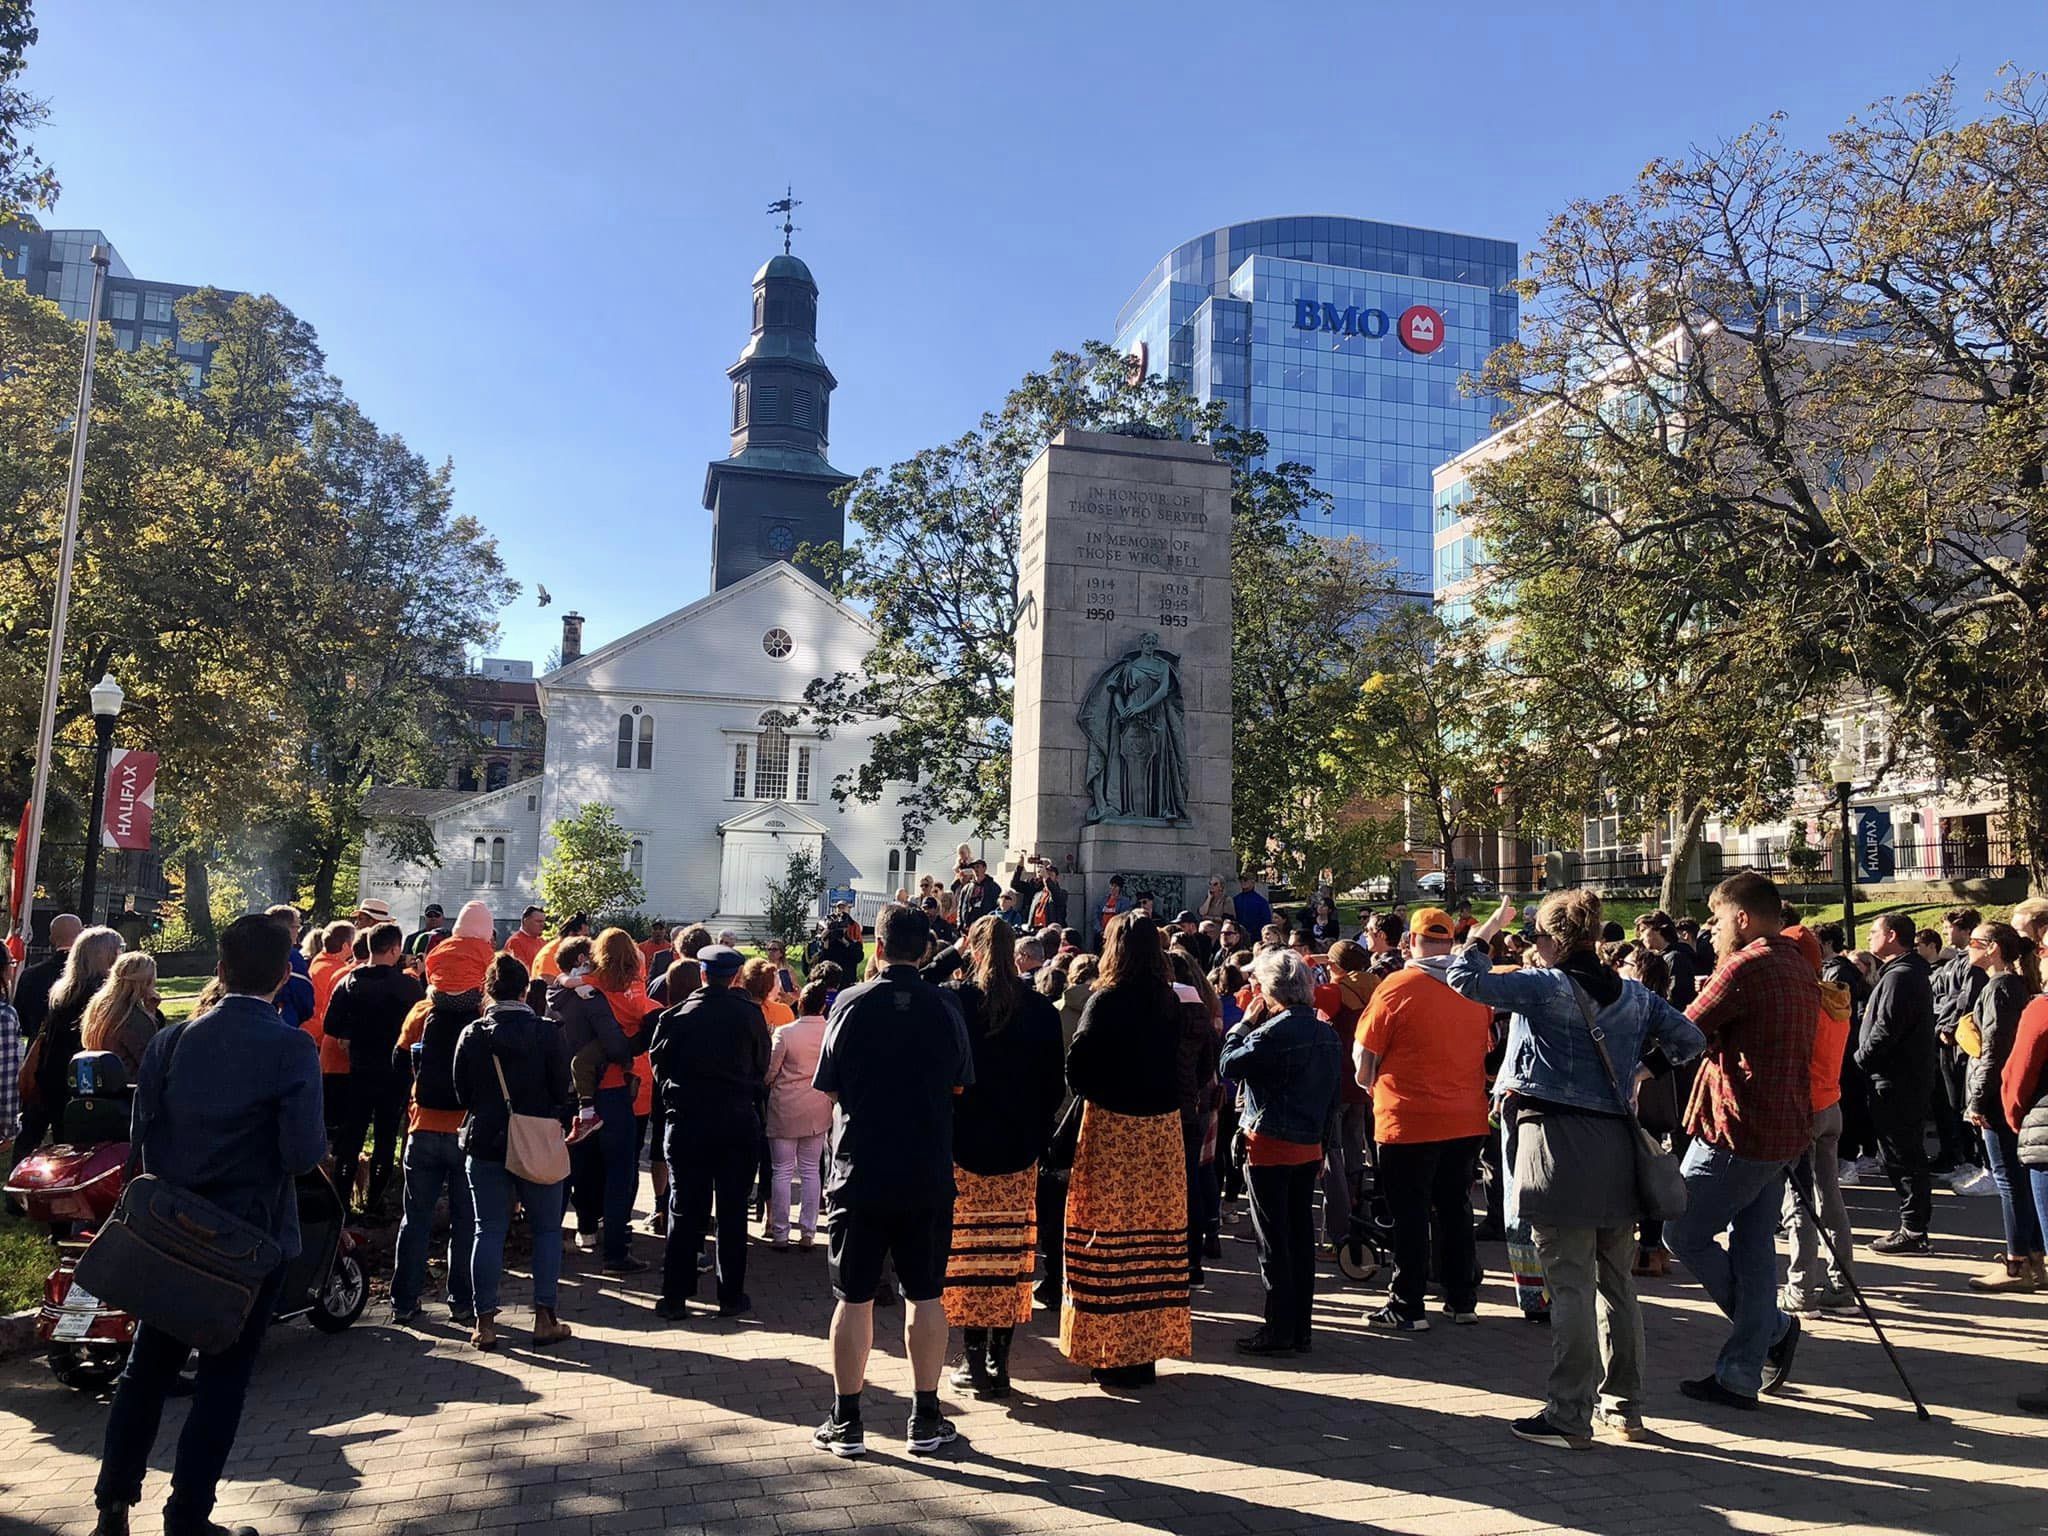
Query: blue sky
[524, 232]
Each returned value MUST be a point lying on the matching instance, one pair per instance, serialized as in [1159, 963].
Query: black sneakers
[930, 1432]
[1900, 1241]
[845, 1441]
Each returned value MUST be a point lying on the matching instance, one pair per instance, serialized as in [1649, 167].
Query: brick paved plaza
[639, 1425]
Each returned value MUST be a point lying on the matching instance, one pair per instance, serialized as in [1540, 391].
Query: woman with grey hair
[1570, 1153]
[92, 958]
[1288, 1063]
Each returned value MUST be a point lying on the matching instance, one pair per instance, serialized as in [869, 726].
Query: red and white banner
[131, 799]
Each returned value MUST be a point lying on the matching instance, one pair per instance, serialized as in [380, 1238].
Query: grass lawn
[25, 1257]
[179, 993]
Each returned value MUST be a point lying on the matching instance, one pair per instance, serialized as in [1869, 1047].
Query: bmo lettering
[1353, 321]
[1420, 330]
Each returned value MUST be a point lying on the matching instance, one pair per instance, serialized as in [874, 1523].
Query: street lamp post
[60, 606]
[106, 709]
[1844, 774]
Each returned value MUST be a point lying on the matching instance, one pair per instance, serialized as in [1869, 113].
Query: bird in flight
[541, 592]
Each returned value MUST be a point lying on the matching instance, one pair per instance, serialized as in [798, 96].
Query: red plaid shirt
[1758, 1010]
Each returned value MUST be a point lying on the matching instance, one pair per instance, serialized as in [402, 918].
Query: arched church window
[771, 757]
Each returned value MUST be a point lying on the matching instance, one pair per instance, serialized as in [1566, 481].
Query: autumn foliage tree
[1809, 388]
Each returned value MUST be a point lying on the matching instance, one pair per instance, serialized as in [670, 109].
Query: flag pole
[60, 608]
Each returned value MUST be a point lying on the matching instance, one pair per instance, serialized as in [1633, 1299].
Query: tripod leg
[1848, 1274]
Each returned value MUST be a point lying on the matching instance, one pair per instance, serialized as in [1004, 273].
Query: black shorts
[860, 1239]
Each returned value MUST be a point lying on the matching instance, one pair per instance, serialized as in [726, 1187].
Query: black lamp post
[106, 709]
[1844, 773]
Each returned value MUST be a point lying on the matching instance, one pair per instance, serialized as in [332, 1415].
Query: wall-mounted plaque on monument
[1122, 729]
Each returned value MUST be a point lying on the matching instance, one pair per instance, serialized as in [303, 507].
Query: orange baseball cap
[1432, 923]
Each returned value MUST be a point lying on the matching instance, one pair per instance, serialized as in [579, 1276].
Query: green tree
[1836, 366]
[1639, 663]
[394, 584]
[1300, 604]
[171, 589]
[1417, 727]
[26, 182]
[793, 900]
[586, 869]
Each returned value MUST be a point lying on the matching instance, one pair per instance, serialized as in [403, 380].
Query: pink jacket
[795, 1108]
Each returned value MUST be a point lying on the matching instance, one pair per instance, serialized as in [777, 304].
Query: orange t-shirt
[1830, 1041]
[325, 973]
[417, 1119]
[545, 966]
[524, 947]
[1431, 1044]
[777, 1014]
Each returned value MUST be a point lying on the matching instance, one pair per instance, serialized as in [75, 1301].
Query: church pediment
[726, 644]
[775, 817]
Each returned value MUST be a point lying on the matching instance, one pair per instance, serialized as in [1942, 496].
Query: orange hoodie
[1830, 1040]
[458, 965]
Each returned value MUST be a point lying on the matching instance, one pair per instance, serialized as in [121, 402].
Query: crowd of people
[990, 1110]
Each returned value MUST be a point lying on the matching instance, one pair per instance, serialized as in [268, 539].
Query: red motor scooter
[74, 1185]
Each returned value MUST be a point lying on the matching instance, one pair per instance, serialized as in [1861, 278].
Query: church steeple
[781, 388]
[773, 492]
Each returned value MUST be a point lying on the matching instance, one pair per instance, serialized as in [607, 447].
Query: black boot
[972, 1376]
[113, 1521]
[999, 1361]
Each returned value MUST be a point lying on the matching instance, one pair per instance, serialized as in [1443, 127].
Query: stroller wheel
[1356, 1259]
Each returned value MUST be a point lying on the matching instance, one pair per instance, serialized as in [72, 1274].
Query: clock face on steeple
[782, 540]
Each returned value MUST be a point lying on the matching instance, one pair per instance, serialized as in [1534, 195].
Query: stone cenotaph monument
[1122, 733]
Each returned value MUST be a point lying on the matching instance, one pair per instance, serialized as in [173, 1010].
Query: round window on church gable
[777, 643]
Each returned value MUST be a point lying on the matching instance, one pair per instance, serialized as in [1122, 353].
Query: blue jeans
[2015, 1198]
[493, 1189]
[1741, 1197]
[2038, 1179]
[433, 1161]
[210, 1424]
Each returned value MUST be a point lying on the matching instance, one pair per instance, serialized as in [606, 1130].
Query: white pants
[797, 1159]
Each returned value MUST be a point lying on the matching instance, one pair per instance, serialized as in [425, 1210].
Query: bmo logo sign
[1420, 328]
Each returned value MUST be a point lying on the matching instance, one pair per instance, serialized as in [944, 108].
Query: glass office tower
[1343, 340]
[57, 263]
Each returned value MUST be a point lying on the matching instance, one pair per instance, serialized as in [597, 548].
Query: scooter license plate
[82, 1310]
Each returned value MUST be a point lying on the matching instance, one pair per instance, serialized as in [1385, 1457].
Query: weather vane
[786, 205]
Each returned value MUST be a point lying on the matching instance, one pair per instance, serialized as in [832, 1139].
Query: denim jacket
[1550, 1053]
[1289, 1067]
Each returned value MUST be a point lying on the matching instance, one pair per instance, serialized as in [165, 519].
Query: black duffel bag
[175, 1260]
[180, 1263]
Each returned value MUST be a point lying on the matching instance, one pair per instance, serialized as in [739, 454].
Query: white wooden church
[689, 726]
